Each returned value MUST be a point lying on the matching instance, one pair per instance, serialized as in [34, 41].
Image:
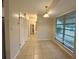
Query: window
[59, 29]
[69, 34]
[65, 29]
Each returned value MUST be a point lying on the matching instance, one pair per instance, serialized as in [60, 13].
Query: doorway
[3, 39]
[31, 28]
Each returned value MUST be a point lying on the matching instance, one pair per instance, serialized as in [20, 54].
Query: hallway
[40, 29]
[41, 49]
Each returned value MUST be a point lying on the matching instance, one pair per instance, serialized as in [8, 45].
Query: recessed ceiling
[35, 6]
[38, 6]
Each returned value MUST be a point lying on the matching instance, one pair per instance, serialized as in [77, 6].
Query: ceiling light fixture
[46, 15]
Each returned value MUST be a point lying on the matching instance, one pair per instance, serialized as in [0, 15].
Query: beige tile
[34, 49]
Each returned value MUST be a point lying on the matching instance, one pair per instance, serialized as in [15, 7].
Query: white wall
[23, 31]
[13, 36]
[44, 28]
[18, 35]
[18, 30]
[6, 20]
[53, 28]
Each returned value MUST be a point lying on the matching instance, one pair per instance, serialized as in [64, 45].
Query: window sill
[64, 48]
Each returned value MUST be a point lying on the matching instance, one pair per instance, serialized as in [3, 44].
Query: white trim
[43, 39]
[19, 51]
[22, 44]
[17, 54]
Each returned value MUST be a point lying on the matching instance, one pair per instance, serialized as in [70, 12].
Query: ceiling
[38, 6]
[35, 6]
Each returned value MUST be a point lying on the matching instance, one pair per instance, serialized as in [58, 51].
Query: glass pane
[71, 15]
[59, 20]
[70, 27]
[59, 37]
[69, 41]
[59, 33]
[70, 33]
[59, 30]
[70, 20]
[60, 26]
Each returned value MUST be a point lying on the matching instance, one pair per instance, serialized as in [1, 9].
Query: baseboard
[19, 51]
[43, 39]
[16, 54]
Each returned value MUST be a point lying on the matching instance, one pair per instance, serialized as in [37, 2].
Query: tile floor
[34, 49]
